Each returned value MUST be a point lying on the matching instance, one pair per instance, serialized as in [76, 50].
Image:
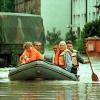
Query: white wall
[56, 13]
[79, 11]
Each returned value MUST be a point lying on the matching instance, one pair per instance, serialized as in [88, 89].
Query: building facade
[64, 16]
[84, 11]
[28, 6]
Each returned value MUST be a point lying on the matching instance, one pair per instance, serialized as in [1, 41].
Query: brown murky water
[84, 89]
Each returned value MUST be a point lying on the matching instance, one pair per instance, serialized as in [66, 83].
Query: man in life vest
[55, 50]
[76, 58]
[29, 54]
[63, 57]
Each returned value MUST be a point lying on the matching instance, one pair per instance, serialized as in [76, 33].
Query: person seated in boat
[63, 57]
[29, 54]
[49, 56]
[76, 58]
[55, 50]
[37, 45]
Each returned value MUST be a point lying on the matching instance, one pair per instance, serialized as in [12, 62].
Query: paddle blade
[94, 77]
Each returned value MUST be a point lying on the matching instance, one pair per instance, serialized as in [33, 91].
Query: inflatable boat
[40, 70]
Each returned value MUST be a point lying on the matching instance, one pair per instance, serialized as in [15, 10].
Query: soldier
[76, 58]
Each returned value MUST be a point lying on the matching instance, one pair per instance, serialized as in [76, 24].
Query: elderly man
[63, 57]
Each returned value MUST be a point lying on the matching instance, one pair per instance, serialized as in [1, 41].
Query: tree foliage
[91, 29]
[71, 36]
[7, 5]
[53, 37]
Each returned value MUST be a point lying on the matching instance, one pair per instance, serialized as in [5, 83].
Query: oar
[94, 76]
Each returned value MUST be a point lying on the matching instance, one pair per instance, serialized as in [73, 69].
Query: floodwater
[85, 89]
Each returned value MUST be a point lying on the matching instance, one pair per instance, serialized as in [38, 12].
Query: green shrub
[90, 29]
[53, 37]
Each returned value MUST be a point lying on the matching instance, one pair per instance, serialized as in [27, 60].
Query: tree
[7, 5]
[53, 37]
[71, 36]
[90, 29]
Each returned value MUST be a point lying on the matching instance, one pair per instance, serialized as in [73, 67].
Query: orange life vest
[32, 55]
[60, 59]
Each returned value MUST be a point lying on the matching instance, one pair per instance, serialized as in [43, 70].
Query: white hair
[62, 43]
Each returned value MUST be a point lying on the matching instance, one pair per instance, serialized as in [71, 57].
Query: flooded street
[84, 89]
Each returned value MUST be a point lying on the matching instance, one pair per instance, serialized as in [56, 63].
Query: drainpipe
[71, 12]
[86, 10]
[71, 21]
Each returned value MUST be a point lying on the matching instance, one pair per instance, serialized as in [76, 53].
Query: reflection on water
[49, 90]
[84, 89]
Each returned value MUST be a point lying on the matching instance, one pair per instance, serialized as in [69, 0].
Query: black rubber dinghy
[40, 70]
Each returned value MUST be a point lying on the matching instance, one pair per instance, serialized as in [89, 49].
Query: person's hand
[27, 59]
[86, 61]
